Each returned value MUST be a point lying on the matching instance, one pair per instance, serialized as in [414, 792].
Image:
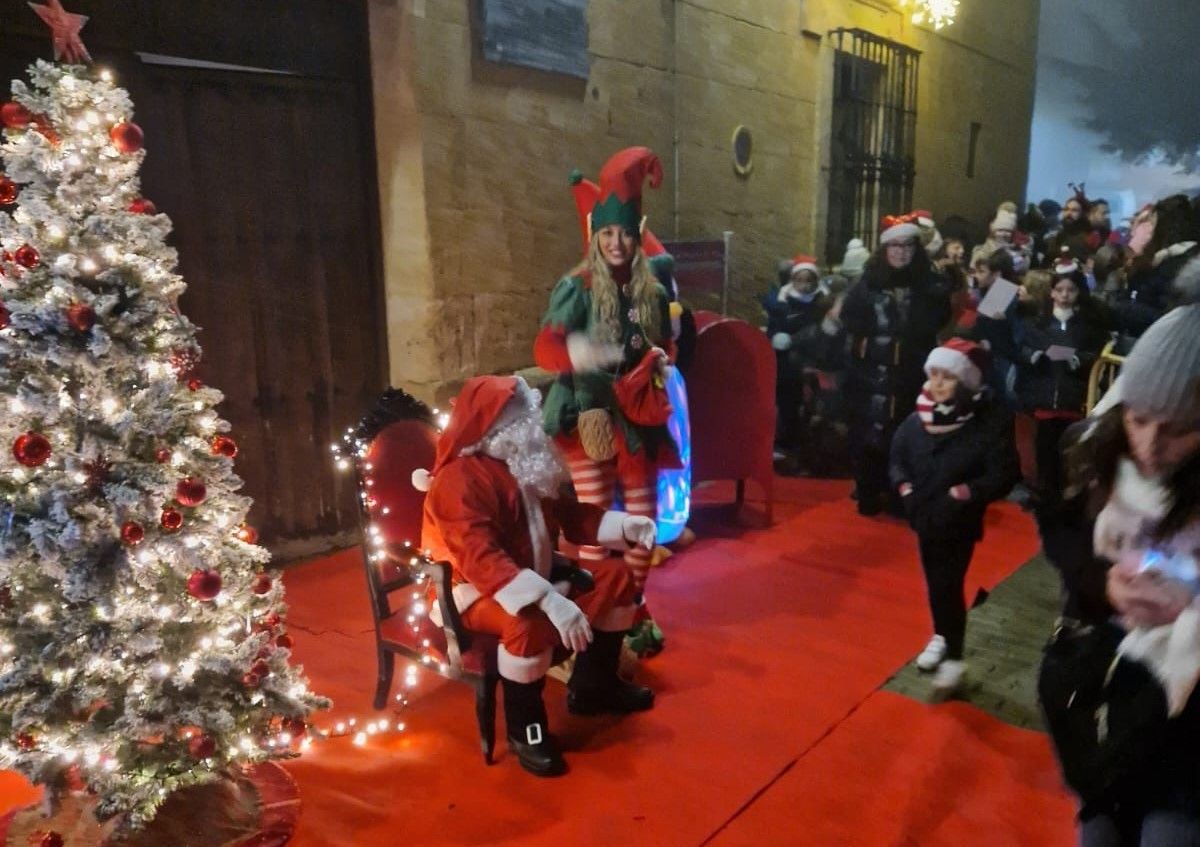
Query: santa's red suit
[487, 513]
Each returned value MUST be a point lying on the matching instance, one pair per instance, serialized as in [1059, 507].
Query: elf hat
[620, 197]
[897, 228]
[804, 262]
[965, 359]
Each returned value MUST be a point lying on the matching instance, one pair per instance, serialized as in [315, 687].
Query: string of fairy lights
[351, 453]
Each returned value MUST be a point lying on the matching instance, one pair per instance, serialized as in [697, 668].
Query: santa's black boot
[595, 686]
[525, 721]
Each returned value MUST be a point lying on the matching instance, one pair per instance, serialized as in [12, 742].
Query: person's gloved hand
[1036, 357]
[639, 531]
[589, 355]
[781, 341]
[570, 621]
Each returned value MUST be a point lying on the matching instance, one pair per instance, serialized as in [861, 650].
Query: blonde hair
[606, 300]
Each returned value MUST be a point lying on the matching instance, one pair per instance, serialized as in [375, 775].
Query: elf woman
[607, 333]
[950, 458]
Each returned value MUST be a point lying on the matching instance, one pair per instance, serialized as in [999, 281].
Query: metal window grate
[873, 138]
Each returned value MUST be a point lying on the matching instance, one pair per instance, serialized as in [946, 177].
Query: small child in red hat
[950, 458]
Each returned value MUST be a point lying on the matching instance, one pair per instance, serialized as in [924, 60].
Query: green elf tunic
[570, 311]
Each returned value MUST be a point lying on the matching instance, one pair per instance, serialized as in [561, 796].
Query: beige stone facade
[478, 222]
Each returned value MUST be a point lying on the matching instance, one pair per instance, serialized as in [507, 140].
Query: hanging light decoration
[935, 13]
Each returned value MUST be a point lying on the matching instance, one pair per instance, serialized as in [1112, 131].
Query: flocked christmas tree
[142, 643]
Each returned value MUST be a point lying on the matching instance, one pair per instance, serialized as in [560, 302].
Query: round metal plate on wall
[743, 150]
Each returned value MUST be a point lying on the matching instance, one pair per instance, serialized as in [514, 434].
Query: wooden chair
[397, 436]
[731, 404]
[1103, 374]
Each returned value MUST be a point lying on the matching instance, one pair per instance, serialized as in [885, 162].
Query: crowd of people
[936, 347]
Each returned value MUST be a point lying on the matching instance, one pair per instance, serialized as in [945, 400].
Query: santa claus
[495, 507]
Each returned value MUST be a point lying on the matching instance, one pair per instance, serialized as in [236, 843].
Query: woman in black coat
[893, 316]
[951, 458]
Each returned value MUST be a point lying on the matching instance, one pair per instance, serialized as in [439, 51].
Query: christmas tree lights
[143, 643]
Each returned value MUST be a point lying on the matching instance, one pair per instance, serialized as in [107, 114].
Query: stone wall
[478, 221]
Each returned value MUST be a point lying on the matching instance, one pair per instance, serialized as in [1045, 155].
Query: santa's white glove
[1075, 363]
[639, 531]
[568, 619]
[589, 355]
[781, 341]
[1036, 357]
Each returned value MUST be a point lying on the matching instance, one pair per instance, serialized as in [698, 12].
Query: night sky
[1118, 100]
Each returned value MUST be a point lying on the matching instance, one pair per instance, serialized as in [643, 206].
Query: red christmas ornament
[42, 124]
[97, 472]
[5, 316]
[171, 519]
[190, 492]
[194, 384]
[81, 317]
[162, 455]
[5, 597]
[264, 652]
[15, 116]
[296, 726]
[204, 585]
[8, 191]
[248, 534]
[49, 839]
[251, 680]
[132, 532]
[267, 622]
[261, 584]
[184, 360]
[261, 668]
[127, 137]
[142, 206]
[26, 256]
[284, 641]
[25, 741]
[31, 449]
[202, 747]
[225, 446]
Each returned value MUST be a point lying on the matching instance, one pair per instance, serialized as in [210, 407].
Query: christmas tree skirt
[257, 807]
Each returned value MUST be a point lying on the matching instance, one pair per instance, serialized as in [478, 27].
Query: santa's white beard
[531, 458]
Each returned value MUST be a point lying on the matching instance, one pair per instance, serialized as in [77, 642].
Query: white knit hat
[1161, 375]
[855, 259]
[1004, 219]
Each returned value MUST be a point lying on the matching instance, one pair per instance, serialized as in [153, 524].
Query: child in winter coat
[951, 458]
[1058, 349]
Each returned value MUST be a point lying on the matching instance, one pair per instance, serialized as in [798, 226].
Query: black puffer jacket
[1044, 385]
[980, 454]
[1148, 294]
[893, 318]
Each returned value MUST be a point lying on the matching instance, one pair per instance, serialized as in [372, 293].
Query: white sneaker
[948, 679]
[932, 655]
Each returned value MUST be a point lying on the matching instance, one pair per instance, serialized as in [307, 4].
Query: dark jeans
[869, 448]
[1047, 439]
[1157, 829]
[945, 562]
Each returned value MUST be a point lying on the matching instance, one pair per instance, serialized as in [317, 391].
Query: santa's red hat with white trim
[804, 262]
[897, 228]
[474, 412]
[965, 359]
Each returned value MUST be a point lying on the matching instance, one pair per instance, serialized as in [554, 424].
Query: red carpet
[774, 637]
